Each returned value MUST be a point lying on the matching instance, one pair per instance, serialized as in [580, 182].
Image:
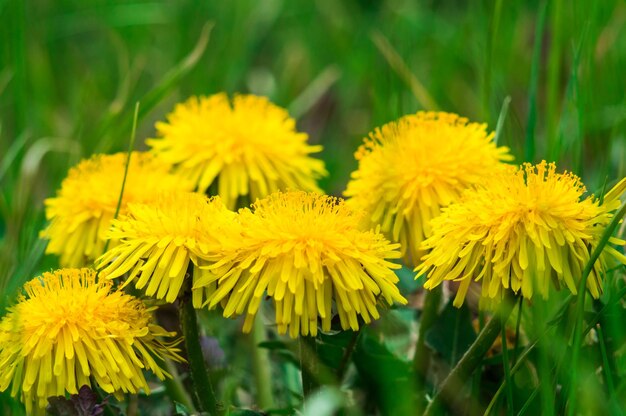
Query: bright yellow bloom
[305, 250]
[411, 168]
[520, 230]
[83, 208]
[248, 147]
[158, 240]
[69, 327]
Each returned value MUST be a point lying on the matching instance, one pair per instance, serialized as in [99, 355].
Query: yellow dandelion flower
[411, 168]
[159, 239]
[305, 250]
[249, 147]
[83, 208]
[70, 327]
[521, 230]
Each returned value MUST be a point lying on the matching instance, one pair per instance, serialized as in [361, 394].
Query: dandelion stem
[308, 364]
[261, 365]
[343, 366]
[517, 328]
[174, 387]
[422, 355]
[199, 374]
[470, 360]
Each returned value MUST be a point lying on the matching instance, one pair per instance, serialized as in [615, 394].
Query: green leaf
[386, 377]
[452, 334]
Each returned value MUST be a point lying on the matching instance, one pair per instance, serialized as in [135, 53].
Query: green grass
[71, 73]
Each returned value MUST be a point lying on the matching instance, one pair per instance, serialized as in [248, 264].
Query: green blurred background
[71, 72]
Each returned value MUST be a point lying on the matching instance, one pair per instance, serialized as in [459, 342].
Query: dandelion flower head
[521, 230]
[247, 147]
[69, 327]
[159, 240]
[81, 212]
[306, 250]
[411, 168]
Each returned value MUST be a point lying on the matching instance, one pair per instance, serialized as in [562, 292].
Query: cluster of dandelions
[431, 189]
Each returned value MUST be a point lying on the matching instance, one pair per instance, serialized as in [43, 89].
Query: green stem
[261, 365]
[507, 370]
[422, 354]
[580, 306]
[343, 365]
[517, 328]
[455, 381]
[133, 405]
[199, 374]
[605, 362]
[308, 365]
[175, 390]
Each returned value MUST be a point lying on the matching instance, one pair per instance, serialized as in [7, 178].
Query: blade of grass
[454, 382]
[11, 154]
[580, 305]
[131, 146]
[492, 35]
[507, 371]
[20, 72]
[606, 368]
[316, 89]
[553, 79]
[396, 63]
[501, 118]
[169, 81]
[532, 396]
[529, 148]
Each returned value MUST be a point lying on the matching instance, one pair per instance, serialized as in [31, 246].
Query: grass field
[548, 75]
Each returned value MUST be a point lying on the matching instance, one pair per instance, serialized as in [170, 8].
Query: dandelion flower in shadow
[247, 147]
[411, 168]
[307, 252]
[70, 327]
[81, 212]
[521, 230]
[159, 240]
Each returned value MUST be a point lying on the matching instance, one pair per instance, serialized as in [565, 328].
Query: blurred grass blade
[11, 154]
[580, 305]
[131, 146]
[501, 118]
[396, 63]
[529, 148]
[312, 94]
[492, 35]
[169, 82]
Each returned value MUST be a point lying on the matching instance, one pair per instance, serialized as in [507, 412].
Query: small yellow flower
[69, 327]
[158, 240]
[411, 168]
[83, 208]
[247, 147]
[306, 251]
[521, 230]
